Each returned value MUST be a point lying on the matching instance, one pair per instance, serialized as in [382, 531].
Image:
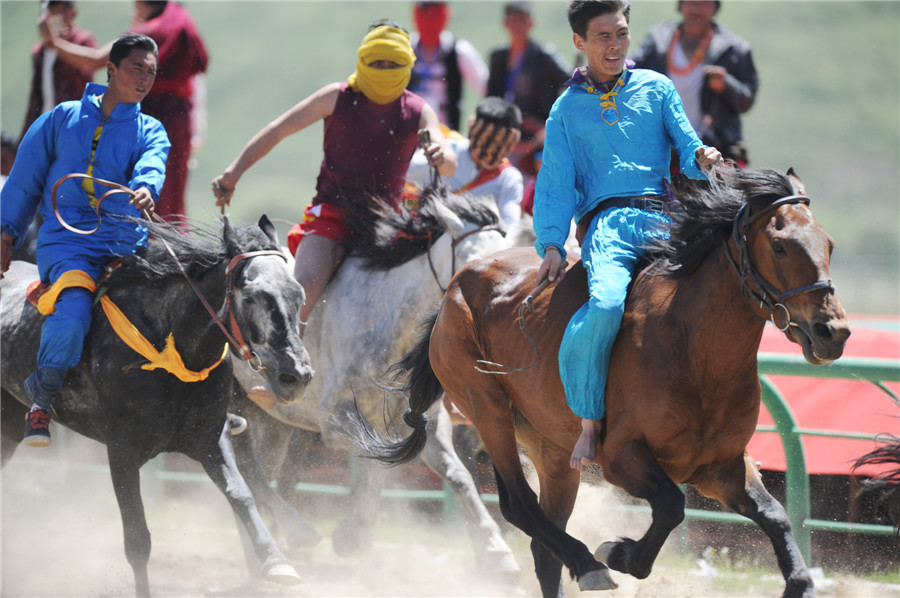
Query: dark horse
[683, 393]
[139, 414]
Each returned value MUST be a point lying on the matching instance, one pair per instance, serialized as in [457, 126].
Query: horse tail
[886, 483]
[421, 387]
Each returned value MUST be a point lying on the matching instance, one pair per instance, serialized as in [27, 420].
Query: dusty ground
[62, 537]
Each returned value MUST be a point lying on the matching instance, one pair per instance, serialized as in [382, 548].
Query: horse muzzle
[821, 339]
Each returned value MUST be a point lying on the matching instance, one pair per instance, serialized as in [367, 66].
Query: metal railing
[797, 497]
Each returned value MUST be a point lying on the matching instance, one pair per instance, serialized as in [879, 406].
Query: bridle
[768, 297]
[234, 336]
[453, 243]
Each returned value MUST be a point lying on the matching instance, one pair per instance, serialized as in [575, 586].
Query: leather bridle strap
[769, 298]
[456, 241]
[237, 340]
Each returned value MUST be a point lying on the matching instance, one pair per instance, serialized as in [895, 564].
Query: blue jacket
[131, 150]
[587, 160]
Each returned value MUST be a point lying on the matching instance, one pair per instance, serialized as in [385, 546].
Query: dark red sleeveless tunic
[368, 146]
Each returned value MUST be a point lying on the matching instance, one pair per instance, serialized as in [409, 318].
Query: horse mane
[704, 213]
[198, 247]
[386, 237]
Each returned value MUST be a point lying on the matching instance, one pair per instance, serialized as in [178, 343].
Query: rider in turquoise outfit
[106, 136]
[606, 161]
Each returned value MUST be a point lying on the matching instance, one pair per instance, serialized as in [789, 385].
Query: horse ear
[799, 187]
[231, 242]
[267, 227]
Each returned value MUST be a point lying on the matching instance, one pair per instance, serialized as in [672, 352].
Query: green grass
[828, 104]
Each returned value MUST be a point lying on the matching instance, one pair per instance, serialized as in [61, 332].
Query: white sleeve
[472, 66]
[509, 199]
[419, 172]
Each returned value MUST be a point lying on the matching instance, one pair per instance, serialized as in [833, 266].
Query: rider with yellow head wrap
[371, 131]
[383, 44]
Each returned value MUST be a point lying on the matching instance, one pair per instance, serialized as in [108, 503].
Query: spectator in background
[8, 148]
[182, 57]
[482, 165]
[443, 62]
[531, 76]
[54, 81]
[370, 132]
[713, 72]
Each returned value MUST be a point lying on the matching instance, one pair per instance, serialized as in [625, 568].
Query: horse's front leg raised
[492, 552]
[221, 467]
[124, 468]
[742, 490]
[635, 469]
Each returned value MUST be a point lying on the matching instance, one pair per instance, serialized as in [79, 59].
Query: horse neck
[193, 323]
[713, 308]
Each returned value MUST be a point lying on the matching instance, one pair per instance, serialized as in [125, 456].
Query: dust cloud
[62, 537]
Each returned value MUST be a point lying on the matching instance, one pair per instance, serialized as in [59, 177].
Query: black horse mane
[198, 247]
[886, 484]
[385, 237]
[704, 214]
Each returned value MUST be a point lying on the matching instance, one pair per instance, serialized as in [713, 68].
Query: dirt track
[62, 537]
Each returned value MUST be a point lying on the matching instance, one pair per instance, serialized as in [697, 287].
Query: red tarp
[834, 404]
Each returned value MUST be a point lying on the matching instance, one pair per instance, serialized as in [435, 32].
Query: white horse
[366, 321]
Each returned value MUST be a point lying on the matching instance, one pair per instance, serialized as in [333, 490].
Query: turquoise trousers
[615, 242]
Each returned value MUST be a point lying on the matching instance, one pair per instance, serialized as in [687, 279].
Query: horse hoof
[236, 424]
[603, 551]
[282, 574]
[597, 579]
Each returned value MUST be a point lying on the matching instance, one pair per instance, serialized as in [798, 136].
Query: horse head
[785, 270]
[266, 302]
[471, 223]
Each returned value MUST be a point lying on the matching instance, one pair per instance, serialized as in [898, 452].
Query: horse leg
[518, 502]
[742, 490]
[636, 470]
[558, 489]
[267, 436]
[12, 427]
[124, 468]
[220, 465]
[364, 505]
[492, 552]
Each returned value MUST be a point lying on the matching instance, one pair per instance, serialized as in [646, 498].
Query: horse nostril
[831, 332]
[822, 331]
[288, 379]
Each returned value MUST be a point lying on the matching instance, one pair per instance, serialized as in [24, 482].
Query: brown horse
[683, 393]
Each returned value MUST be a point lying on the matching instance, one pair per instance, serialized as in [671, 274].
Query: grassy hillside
[828, 105]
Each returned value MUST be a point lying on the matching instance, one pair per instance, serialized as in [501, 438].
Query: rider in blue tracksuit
[606, 161]
[106, 136]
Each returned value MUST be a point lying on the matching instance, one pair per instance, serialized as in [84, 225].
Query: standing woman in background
[182, 57]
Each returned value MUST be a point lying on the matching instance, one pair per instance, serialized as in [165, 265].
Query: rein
[234, 337]
[769, 298]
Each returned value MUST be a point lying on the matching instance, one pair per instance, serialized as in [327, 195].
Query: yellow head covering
[383, 86]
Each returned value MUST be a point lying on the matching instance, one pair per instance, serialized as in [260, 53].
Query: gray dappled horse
[365, 321]
[139, 414]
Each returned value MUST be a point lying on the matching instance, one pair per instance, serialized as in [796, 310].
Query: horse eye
[779, 249]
